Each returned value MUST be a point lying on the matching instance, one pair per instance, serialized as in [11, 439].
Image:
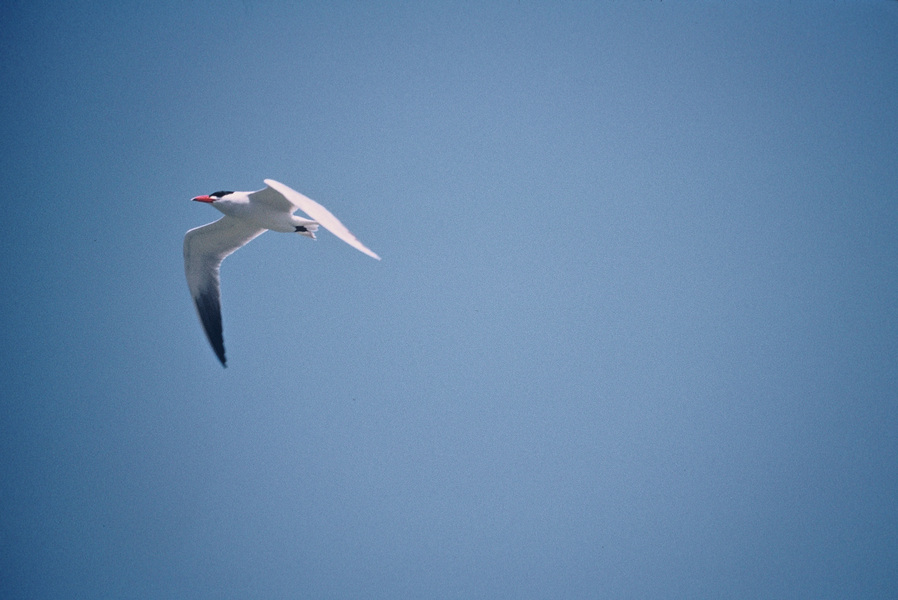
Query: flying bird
[247, 215]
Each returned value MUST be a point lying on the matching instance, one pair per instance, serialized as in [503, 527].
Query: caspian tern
[247, 215]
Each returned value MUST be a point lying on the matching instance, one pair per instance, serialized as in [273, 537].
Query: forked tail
[306, 228]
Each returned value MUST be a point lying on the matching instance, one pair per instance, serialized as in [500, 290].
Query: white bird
[247, 215]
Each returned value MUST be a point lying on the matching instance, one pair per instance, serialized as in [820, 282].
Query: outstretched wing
[318, 213]
[204, 249]
[273, 199]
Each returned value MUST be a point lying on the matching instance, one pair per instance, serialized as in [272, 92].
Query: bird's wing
[273, 199]
[318, 213]
[204, 249]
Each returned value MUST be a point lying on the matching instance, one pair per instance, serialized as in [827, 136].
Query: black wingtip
[209, 309]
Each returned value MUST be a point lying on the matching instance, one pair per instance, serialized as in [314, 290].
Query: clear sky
[634, 333]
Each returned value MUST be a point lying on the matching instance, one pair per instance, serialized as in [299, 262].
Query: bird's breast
[261, 216]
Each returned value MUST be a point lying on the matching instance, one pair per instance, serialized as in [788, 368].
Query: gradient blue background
[634, 333]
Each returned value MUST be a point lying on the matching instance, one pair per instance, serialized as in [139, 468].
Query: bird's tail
[306, 228]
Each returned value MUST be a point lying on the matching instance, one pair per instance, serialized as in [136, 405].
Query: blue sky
[633, 334]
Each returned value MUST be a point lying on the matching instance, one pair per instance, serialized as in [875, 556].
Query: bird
[247, 215]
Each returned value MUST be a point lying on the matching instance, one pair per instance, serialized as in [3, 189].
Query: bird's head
[213, 197]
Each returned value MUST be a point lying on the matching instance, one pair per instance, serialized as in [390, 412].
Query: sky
[634, 333]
